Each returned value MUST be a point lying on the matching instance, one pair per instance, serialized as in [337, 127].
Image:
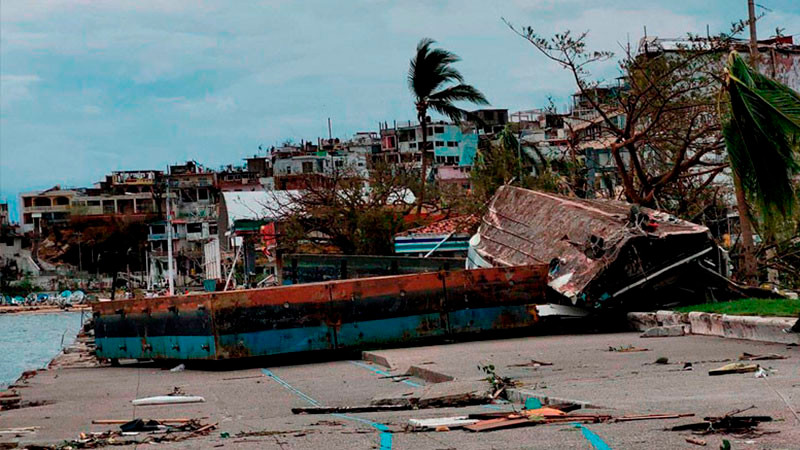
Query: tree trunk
[748, 269]
[424, 124]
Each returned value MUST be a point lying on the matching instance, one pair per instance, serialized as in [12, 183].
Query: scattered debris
[497, 382]
[187, 430]
[178, 368]
[167, 400]
[687, 366]
[734, 368]
[694, 441]
[725, 424]
[177, 390]
[751, 357]
[627, 349]
[728, 423]
[137, 425]
[532, 363]
[122, 421]
[662, 360]
[547, 414]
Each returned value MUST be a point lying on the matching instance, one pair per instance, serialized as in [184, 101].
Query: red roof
[460, 224]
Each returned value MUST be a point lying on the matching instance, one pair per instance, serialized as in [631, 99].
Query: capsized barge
[344, 314]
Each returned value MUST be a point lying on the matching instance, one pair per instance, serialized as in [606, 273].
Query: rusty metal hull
[320, 316]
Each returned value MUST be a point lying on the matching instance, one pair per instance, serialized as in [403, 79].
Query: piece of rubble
[665, 331]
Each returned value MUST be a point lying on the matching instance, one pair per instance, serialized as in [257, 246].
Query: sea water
[30, 341]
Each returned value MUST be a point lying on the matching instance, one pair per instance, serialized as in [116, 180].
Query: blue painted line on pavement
[385, 434]
[383, 372]
[291, 388]
[597, 442]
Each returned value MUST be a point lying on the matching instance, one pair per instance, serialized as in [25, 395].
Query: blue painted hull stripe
[385, 434]
[382, 372]
[597, 442]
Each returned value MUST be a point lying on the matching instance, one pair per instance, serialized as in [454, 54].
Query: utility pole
[748, 269]
[169, 245]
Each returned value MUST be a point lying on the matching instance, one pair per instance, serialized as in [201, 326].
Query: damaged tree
[661, 125]
[346, 213]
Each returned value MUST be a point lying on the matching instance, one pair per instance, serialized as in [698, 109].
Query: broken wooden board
[514, 420]
[350, 409]
[751, 357]
[733, 368]
[437, 422]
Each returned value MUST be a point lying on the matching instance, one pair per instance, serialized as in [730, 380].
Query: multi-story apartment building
[4, 216]
[48, 207]
[452, 144]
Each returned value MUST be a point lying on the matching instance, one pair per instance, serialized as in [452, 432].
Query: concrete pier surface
[252, 405]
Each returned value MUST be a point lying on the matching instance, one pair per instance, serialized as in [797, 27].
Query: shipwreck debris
[734, 368]
[601, 252]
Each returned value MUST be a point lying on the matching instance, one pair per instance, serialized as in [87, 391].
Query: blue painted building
[452, 146]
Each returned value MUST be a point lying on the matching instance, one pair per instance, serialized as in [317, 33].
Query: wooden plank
[449, 422]
[350, 409]
[652, 417]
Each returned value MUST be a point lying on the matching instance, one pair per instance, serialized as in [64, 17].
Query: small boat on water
[320, 316]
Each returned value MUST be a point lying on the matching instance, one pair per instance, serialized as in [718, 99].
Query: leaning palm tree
[763, 138]
[429, 75]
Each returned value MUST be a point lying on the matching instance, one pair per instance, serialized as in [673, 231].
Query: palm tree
[763, 138]
[429, 75]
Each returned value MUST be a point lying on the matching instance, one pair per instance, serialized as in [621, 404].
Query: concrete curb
[429, 375]
[424, 373]
[376, 358]
[519, 396]
[753, 328]
[764, 329]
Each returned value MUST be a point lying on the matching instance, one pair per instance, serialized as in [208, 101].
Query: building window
[194, 228]
[440, 143]
[412, 145]
[439, 130]
[430, 131]
[339, 163]
[202, 194]
[452, 144]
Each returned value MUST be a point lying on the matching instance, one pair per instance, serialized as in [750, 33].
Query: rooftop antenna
[330, 136]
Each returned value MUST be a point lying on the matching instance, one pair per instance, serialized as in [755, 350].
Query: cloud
[95, 86]
[15, 88]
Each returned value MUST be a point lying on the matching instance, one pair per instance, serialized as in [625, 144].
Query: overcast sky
[87, 87]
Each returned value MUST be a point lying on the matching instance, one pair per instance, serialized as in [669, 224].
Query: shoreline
[45, 309]
[52, 361]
